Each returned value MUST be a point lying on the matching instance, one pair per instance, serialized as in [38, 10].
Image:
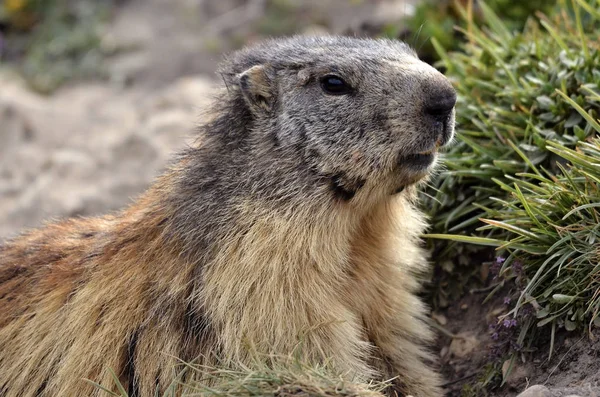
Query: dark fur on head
[280, 137]
[364, 135]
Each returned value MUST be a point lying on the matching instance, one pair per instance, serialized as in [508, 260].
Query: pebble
[440, 318]
[536, 391]
[463, 345]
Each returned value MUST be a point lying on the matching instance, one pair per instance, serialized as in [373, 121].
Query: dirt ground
[91, 147]
[573, 368]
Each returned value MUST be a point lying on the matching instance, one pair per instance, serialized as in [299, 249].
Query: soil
[466, 356]
[91, 147]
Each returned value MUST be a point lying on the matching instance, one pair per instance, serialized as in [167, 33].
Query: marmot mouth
[439, 143]
[422, 160]
[417, 160]
[427, 152]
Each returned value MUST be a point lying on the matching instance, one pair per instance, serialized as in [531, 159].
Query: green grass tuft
[524, 175]
[435, 21]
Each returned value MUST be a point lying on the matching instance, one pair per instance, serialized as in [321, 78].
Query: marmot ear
[258, 88]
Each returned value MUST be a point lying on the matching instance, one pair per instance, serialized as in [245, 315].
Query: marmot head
[359, 110]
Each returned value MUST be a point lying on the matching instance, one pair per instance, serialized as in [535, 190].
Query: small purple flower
[506, 300]
[527, 311]
[517, 267]
[495, 336]
[496, 266]
[496, 353]
[509, 323]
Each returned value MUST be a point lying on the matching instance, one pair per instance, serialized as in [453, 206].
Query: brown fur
[324, 277]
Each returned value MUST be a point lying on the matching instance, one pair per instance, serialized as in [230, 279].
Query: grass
[436, 19]
[285, 377]
[523, 176]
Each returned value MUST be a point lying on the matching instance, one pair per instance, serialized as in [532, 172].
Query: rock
[536, 391]
[580, 391]
[444, 351]
[125, 67]
[393, 11]
[517, 376]
[463, 345]
[90, 148]
[439, 318]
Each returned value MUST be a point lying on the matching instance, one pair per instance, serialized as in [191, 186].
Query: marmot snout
[278, 229]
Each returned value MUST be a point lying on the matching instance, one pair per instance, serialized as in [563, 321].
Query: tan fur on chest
[315, 287]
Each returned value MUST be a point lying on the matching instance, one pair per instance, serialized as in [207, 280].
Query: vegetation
[53, 41]
[524, 175]
[285, 377]
[435, 19]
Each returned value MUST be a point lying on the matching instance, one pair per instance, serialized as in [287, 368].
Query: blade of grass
[580, 110]
[490, 242]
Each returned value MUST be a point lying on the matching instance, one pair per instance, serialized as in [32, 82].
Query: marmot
[292, 222]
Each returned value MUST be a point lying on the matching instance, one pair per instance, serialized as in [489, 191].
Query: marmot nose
[440, 103]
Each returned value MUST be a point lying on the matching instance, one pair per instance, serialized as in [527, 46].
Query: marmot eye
[335, 85]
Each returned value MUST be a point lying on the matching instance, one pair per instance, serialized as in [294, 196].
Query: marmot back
[290, 227]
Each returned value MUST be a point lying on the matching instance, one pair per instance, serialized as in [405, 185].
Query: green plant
[524, 174]
[553, 228]
[434, 19]
[53, 41]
